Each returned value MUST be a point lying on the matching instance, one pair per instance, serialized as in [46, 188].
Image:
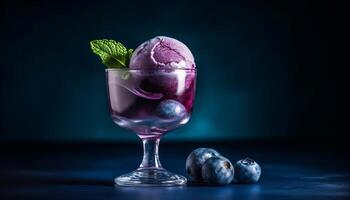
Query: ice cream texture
[166, 53]
[162, 52]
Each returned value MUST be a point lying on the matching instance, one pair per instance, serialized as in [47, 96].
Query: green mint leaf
[112, 53]
[129, 54]
[130, 51]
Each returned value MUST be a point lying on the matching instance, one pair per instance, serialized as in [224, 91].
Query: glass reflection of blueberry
[247, 171]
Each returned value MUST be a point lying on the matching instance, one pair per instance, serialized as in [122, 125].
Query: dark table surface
[86, 171]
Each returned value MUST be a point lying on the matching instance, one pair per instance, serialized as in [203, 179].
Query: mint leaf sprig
[112, 53]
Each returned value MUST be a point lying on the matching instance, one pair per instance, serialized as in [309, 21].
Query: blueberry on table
[217, 171]
[195, 161]
[247, 171]
[170, 109]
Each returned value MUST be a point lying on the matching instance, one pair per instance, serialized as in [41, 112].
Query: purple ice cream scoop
[162, 52]
[175, 58]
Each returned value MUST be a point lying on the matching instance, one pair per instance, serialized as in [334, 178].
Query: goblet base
[150, 177]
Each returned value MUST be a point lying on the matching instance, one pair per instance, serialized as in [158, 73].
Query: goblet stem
[150, 154]
[150, 172]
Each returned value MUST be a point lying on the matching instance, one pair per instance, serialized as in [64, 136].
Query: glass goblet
[151, 103]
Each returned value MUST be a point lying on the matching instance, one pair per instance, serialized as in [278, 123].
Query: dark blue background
[266, 69]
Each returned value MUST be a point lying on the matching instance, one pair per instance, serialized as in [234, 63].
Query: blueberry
[195, 161]
[247, 171]
[170, 109]
[217, 171]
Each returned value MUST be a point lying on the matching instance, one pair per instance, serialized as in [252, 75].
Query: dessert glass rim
[150, 70]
